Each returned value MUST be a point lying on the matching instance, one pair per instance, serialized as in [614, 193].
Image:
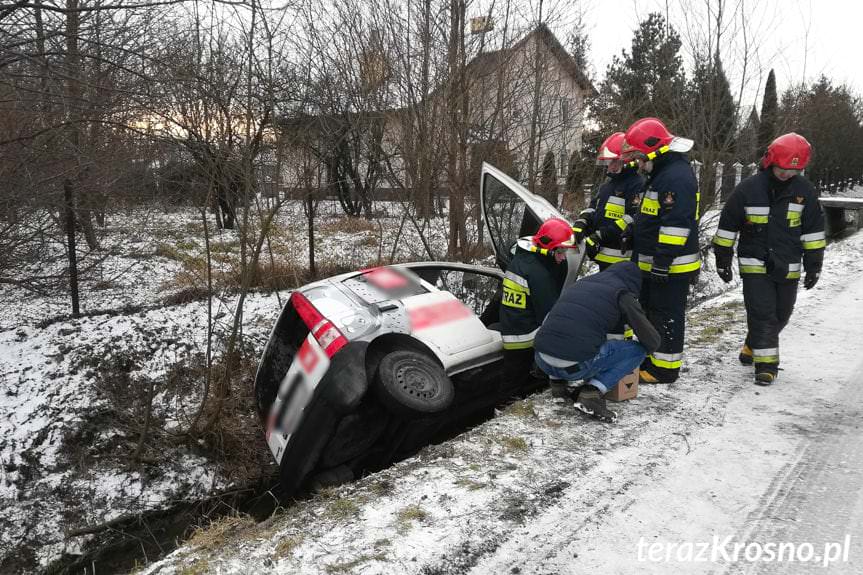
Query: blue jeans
[616, 358]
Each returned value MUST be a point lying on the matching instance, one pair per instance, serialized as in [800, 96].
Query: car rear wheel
[412, 384]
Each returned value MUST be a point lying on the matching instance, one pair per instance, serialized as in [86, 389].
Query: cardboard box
[627, 388]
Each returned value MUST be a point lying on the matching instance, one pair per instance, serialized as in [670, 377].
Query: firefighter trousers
[665, 306]
[769, 304]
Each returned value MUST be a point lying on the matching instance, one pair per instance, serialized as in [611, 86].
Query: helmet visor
[785, 174]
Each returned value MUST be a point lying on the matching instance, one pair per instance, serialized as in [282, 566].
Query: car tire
[331, 478]
[411, 384]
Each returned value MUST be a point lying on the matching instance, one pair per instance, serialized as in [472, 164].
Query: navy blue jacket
[778, 223]
[612, 212]
[530, 287]
[666, 228]
[577, 325]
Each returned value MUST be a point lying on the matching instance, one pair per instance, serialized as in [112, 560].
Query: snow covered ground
[71, 389]
[65, 443]
[541, 490]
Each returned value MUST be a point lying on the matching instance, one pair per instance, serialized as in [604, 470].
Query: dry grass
[219, 531]
[410, 514]
[349, 566]
[286, 546]
[470, 484]
[348, 225]
[513, 444]
[342, 508]
[524, 409]
[381, 488]
[168, 251]
[199, 567]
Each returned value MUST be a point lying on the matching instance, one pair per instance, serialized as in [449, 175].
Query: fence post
[718, 168]
[753, 168]
[738, 172]
[696, 167]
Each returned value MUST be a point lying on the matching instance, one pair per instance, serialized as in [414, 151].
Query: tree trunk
[69, 197]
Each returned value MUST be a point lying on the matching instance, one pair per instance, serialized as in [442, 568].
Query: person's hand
[723, 268]
[811, 279]
[578, 229]
[591, 244]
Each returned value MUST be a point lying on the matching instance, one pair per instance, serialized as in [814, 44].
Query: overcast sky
[792, 36]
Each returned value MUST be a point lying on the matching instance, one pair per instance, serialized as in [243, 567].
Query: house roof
[488, 62]
[480, 66]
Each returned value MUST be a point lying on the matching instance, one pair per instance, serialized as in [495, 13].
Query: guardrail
[841, 214]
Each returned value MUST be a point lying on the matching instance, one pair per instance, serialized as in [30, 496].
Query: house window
[564, 111]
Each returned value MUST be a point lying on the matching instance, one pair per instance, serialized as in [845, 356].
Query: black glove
[659, 274]
[591, 244]
[811, 279]
[723, 268]
[625, 242]
[579, 228]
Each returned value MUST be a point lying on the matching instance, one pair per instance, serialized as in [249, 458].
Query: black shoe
[591, 402]
[765, 377]
[559, 393]
[563, 391]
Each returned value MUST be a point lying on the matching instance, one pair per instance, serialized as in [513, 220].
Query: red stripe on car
[437, 314]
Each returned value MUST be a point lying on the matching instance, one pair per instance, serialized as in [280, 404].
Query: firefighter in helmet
[531, 286]
[605, 225]
[777, 221]
[665, 239]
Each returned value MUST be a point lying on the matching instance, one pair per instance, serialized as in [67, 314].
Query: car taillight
[327, 335]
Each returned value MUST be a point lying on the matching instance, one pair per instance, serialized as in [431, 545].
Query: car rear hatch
[510, 211]
[309, 340]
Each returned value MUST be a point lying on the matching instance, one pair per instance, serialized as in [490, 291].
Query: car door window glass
[507, 215]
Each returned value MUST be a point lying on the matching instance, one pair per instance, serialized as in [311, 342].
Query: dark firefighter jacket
[612, 212]
[577, 325]
[530, 287]
[666, 227]
[778, 223]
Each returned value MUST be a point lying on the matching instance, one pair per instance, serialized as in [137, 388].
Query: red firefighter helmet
[611, 148]
[650, 137]
[554, 233]
[789, 152]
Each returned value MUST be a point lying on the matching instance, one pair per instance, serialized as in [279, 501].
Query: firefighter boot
[765, 377]
[745, 356]
[591, 402]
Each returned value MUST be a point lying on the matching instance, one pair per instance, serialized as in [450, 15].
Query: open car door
[510, 211]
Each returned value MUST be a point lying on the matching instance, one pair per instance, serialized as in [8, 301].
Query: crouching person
[571, 344]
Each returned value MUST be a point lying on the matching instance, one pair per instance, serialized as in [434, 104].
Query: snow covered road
[786, 465]
[540, 490]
